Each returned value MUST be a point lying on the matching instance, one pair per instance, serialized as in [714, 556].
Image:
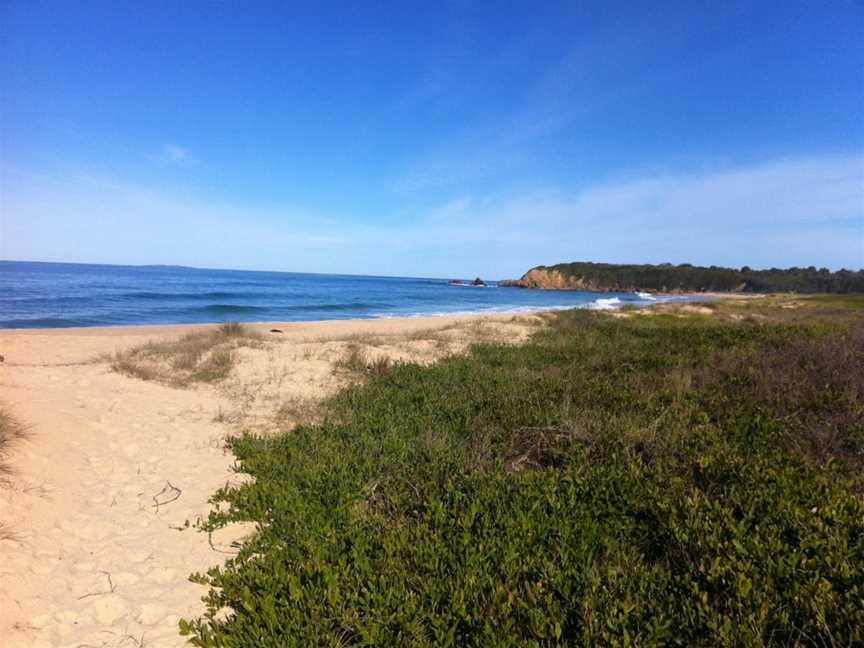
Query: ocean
[48, 295]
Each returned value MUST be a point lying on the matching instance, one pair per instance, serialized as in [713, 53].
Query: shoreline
[161, 329]
[504, 312]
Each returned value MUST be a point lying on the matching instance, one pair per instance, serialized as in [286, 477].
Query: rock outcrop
[551, 280]
[464, 282]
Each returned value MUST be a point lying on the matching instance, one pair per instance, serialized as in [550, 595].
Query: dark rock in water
[464, 282]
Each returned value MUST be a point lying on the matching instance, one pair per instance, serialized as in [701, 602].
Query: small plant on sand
[232, 329]
[11, 432]
[226, 416]
[201, 356]
[297, 411]
[357, 363]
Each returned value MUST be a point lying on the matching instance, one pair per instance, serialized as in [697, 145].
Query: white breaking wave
[480, 310]
[644, 295]
[604, 304]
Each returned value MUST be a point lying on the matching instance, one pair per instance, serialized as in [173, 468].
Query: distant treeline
[687, 277]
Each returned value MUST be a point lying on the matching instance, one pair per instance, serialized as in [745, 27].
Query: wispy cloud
[569, 91]
[175, 154]
[798, 211]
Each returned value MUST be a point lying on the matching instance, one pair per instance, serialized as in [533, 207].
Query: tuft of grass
[233, 330]
[678, 479]
[11, 432]
[359, 364]
[298, 411]
[200, 356]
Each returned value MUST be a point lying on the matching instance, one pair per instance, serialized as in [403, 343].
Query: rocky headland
[686, 278]
[551, 280]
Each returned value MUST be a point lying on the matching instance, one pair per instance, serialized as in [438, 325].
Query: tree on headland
[685, 277]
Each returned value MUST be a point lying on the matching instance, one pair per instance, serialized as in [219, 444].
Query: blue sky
[432, 139]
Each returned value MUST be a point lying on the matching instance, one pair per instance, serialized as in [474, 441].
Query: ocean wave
[46, 322]
[229, 308]
[490, 310]
[646, 296]
[609, 303]
[344, 306]
[286, 311]
[160, 296]
[54, 301]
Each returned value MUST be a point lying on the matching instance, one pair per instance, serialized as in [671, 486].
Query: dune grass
[11, 432]
[668, 480]
[200, 356]
[359, 364]
[297, 411]
[809, 310]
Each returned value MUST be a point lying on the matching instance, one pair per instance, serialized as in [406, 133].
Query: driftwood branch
[170, 492]
[110, 587]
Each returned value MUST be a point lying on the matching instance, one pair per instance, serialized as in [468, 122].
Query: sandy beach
[99, 513]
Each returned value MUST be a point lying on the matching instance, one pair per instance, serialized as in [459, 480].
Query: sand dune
[116, 467]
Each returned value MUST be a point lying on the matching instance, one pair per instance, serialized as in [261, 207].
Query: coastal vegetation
[200, 356]
[685, 277]
[11, 432]
[678, 476]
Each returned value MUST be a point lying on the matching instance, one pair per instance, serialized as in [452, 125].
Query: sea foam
[609, 303]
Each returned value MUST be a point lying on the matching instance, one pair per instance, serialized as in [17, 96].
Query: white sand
[94, 561]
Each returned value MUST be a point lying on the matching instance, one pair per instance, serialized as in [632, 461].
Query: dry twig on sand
[110, 587]
[171, 492]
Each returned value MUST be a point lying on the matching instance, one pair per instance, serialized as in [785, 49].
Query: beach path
[117, 471]
[113, 470]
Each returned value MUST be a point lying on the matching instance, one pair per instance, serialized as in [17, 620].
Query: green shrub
[612, 482]
[689, 278]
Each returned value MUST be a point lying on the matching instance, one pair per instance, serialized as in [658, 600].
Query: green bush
[689, 278]
[609, 483]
